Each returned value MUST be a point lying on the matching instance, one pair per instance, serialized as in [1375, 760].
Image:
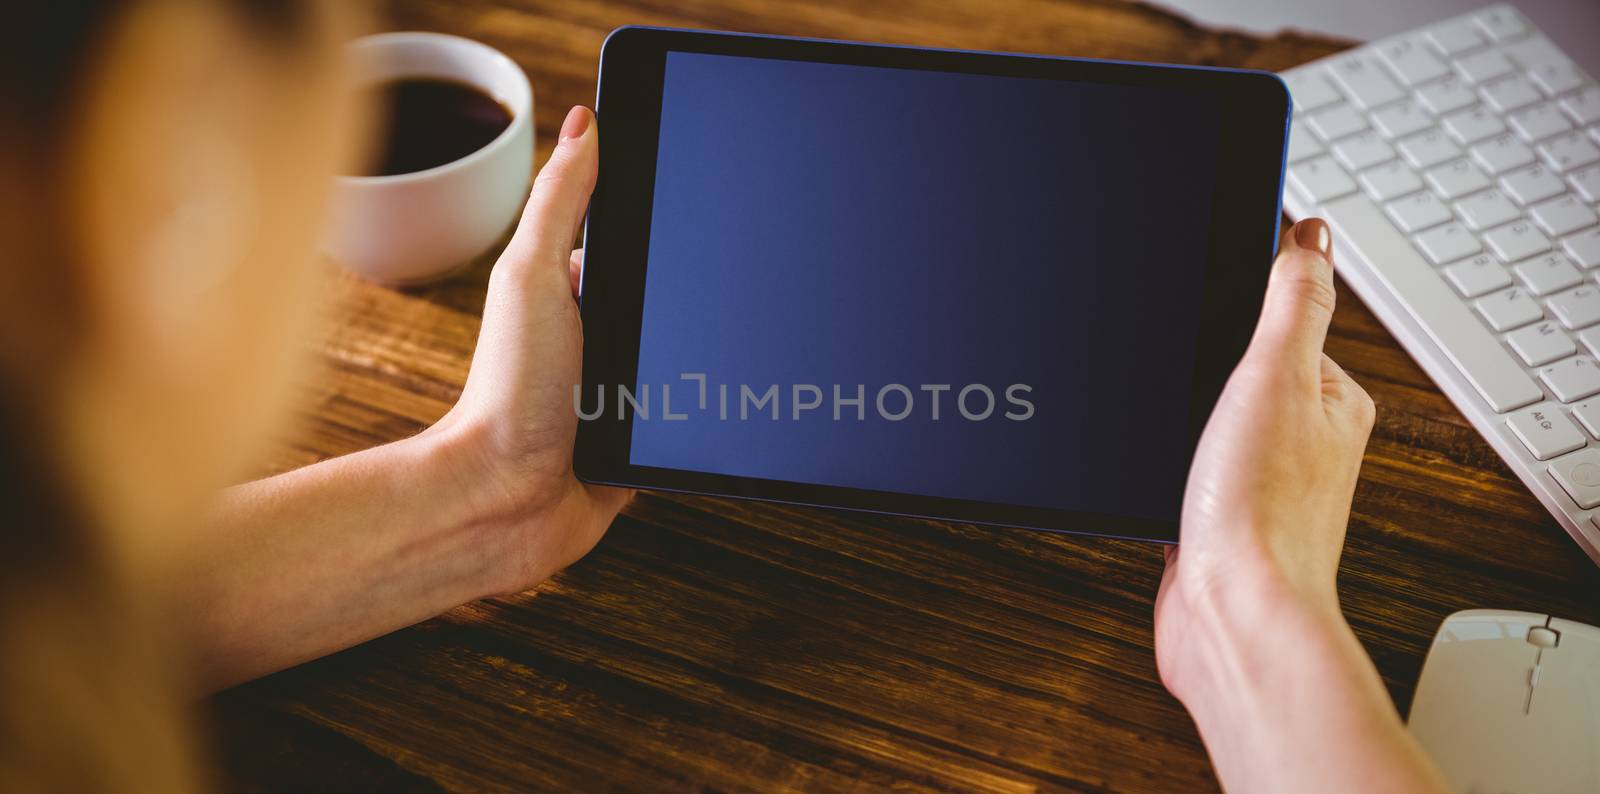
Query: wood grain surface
[709, 644]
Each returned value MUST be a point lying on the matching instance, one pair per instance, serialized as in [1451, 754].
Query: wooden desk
[710, 644]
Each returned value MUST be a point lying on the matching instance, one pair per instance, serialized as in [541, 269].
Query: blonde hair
[89, 695]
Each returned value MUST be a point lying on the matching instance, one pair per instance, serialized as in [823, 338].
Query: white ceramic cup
[417, 227]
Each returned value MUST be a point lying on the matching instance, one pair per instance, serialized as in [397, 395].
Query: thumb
[1299, 300]
[560, 195]
[608, 500]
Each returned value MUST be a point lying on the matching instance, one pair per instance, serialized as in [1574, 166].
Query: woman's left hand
[510, 436]
[483, 503]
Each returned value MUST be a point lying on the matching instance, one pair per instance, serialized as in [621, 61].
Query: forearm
[1289, 701]
[306, 563]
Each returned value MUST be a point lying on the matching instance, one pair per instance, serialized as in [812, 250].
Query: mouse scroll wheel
[1544, 637]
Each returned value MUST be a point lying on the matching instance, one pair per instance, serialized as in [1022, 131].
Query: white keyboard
[1459, 166]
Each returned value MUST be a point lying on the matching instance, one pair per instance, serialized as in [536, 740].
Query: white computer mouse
[1510, 702]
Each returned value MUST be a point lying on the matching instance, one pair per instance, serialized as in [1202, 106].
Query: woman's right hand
[1248, 629]
[1269, 491]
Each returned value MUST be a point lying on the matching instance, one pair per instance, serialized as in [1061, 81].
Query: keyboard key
[1579, 476]
[1515, 242]
[1428, 149]
[1509, 93]
[1569, 151]
[1470, 126]
[1546, 431]
[1456, 37]
[1367, 85]
[1311, 90]
[1573, 379]
[1509, 309]
[1548, 274]
[1541, 343]
[1584, 106]
[1587, 181]
[1584, 248]
[1493, 373]
[1502, 153]
[1457, 179]
[1337, 122]
[1412, 62]
[1588, 414]
[1390, 180]
[1421, 211]
[1401, 119]
[1531, 184]
[1557, 77]
[1563, 215]
[1487, 209]
[1590, 337]
[1501, 23]
[1539, 122]
[1533, 52]
[1320, 179]
[1448, 243]
[1477, 276]
[1483, 66]
[1579, 308]
[1365, 150]
[1446, 96]
[1302, 143]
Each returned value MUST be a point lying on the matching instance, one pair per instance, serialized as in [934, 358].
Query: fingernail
[577, 122]
[1313, 233]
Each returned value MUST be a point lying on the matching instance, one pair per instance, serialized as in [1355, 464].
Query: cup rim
[518, 120]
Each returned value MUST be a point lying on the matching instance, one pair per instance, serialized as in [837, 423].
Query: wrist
[457, 471]
[1242, 625]
[472, 500]
[1266, 671]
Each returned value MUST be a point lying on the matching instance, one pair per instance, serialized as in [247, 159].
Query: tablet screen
[851, 283]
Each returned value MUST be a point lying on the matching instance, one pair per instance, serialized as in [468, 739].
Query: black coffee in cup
[426, 122]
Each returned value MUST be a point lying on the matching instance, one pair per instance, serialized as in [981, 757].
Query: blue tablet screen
[940, 284]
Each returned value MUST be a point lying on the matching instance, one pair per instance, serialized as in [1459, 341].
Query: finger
[609, 500]
[1333, 374]
[1169, 573]
[1299, 300]
[575, 271]
[560, 195]
[1345, 397]
[1336, 383]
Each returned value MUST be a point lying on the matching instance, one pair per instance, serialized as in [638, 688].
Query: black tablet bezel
[1254, 118]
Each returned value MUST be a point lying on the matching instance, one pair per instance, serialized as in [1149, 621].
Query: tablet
[969, 286]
